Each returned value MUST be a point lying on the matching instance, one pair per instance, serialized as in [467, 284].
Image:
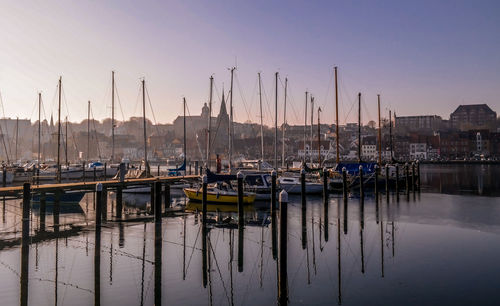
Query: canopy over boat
[353, 168]
[213, 177]
[175, 172]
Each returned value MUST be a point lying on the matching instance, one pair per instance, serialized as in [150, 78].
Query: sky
[422, 57]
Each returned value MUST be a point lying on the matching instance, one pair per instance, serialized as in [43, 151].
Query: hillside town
[471, 132]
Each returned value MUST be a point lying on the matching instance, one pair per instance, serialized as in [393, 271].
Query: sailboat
[69, 196]
[219, 191]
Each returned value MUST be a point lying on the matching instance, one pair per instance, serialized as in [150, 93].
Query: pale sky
[423, 57]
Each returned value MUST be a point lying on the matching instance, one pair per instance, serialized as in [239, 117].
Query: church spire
[223, 111]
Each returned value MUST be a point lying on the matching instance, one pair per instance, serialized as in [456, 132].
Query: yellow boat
[216, 195]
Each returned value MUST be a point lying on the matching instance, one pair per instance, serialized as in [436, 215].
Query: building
[473, 116]
[326, 148]
[369, 149]
[427, 123]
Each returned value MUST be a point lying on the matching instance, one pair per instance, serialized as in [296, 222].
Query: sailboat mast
[144, 126]
[337, 116]
[39, 126]
[312, 124]
[276, 122]
[231, 121]
[59, 134]
[209, 121]
[284, 126]
[261, 121]
[319, 139]
[112, 116]
[88, 132]
[305, 127]
[390, 132]
[66, 141]
[379, 134]
[359, 127]
[17, 135]
[184, 148]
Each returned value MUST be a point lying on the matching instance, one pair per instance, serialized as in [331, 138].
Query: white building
[418, 150]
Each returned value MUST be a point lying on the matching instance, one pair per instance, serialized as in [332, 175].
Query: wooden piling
[158, 206]
[283, 273]
[98, 206]
[25, 244]
[4, 176]
[167, 196]
[204, 200]
[152, 199]
[377, 169]
[43, 209]
[105, 171]
[241, 216]
[325, 186]
[204, 229]
[158, 260]
[95, 173]
[407, 180]
[104, 204]
[119, 202]
[397, 178]
[344, 182]
[83, 171]
[274, 233]
[387, 179]
[361, 182]
[158, 172]
[413, 181]
[304, 208]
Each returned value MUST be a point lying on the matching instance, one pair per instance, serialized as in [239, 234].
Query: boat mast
[17, 135]
[276, 123]
[88, 132]
[184, 148]
[359, 127]
[231, 121]
[112, 116]
[209, 121]
[66, 141]
[319, 139]
[337, 115]
[261, 122]
[312, 124]
[390, 132]
[284, 127]
[59, 134]
[379, 135]
[39, 126]
[305, 127]
[144, 126]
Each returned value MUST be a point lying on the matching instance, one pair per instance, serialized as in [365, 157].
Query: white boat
[258, 183]
[292, 185]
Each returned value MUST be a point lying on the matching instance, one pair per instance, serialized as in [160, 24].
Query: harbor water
[439, 246]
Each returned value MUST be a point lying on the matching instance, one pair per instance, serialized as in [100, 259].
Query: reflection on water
[418, 249]
[461, 179]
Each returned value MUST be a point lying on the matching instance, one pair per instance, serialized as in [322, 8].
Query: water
[437, 247]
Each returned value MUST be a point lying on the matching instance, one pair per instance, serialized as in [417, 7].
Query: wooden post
[377, 169]
[152, 199]
[344, 182]
[158, 202]
[95, 173]
[158, 169]
[204, 200]
[361, 182]
[325, 186]
[304, 208]
[119, 202]
[25, 243]
[105, 170]
[413, 181]
[158, 258]
[196, 168]
[274, 233]
[98, 206]
[283, 274]
[407, 181]
[104, 204]
[397, 178]
[4, 176]
[273, 192]
[418, 175]
[387, 179]
[83, 171]
[167, 196]
[43, 208]
[303, 186]
[241, 215]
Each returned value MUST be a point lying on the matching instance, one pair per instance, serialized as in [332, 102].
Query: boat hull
[196, 195]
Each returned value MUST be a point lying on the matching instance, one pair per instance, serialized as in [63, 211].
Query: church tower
[222, 127]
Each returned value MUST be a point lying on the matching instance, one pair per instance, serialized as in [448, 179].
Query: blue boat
[67, 197]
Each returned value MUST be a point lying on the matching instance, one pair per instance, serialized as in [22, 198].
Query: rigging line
[152, 112]
[326, 101]
[242, 97]
[119, 102]
[254, 95]
[137, 98]
[218, 269]
[292, 102]
[95, 133]
[267, 103]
